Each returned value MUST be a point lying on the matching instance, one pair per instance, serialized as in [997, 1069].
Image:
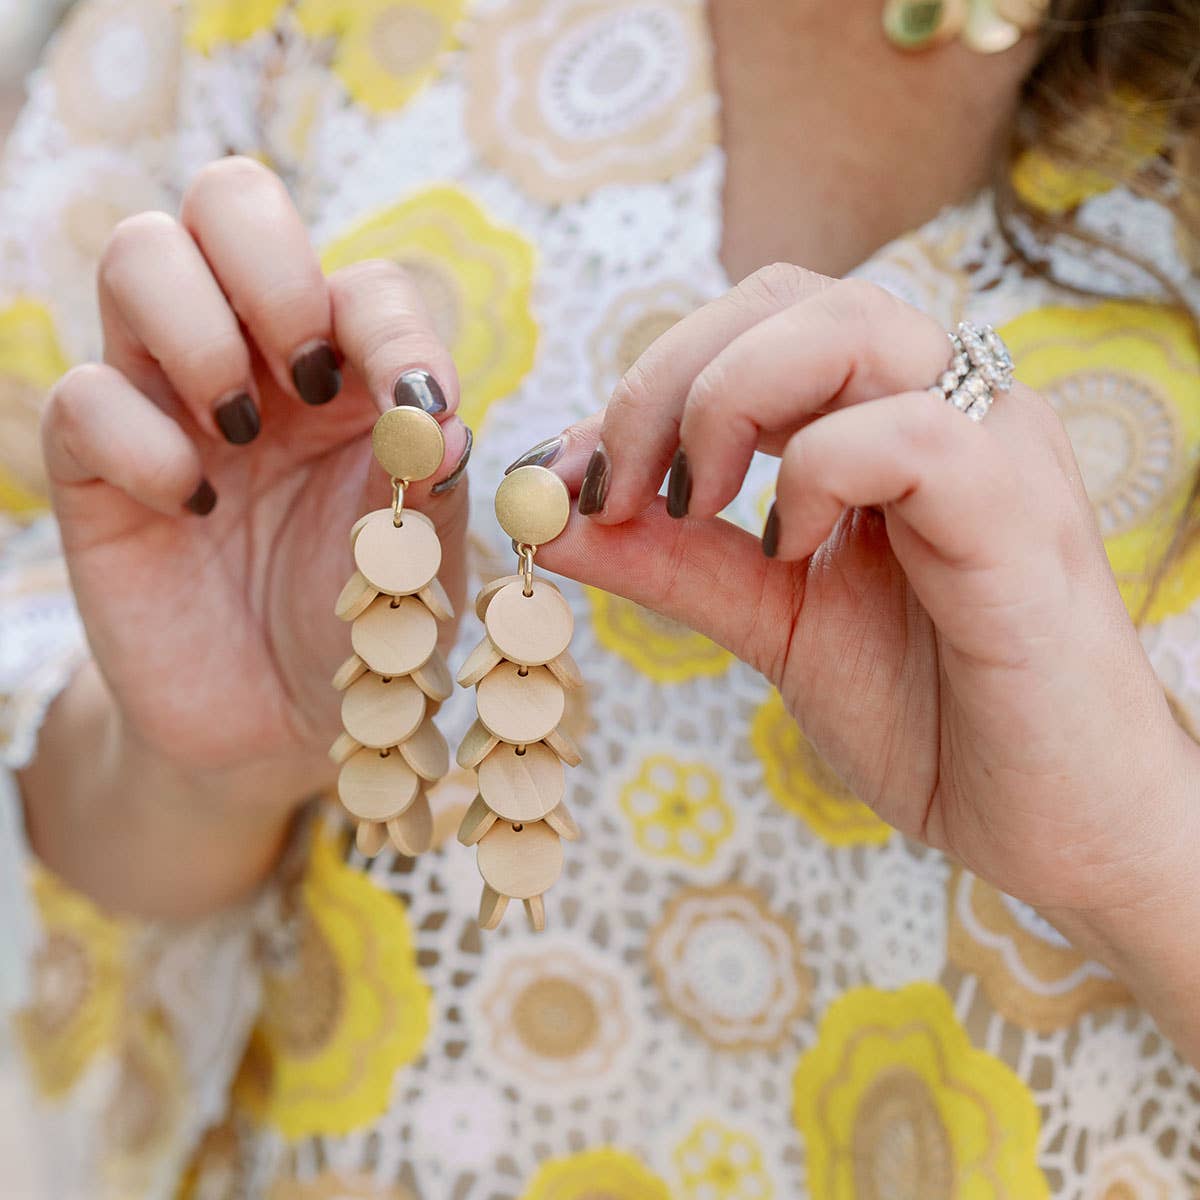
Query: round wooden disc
[520, 860]
[434, 597]
[484, 598]
[477, 820]
[354, 597]
[522, 786]
[532, 505]
[530, 630]
[412, 830]
[348, 672]
[477, 743]
[408, 443]
[395, 637]
[520, 709]
[370, 837]
[401, 560]
[433, 677]
[562, 745]
[491, 908]
[375, 786]
[357, 527]
[482, 660]
[563, 823]
[535, 910]
[343, 748]
[382, 713]
[566, 670]
[426, 752]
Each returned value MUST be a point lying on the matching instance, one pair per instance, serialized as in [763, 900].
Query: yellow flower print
[213, 22]
[475, 277]
[659, 648]
[718, 1163]
[677, 810]
[30, 361]
[344, 1015]
[1124, 378]
[605, 1174]
[799, 781]
[894, 1100]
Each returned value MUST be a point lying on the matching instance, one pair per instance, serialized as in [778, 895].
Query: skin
[952, 642]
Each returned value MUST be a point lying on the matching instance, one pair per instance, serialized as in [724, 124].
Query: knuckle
[862, 299]
[284, 304]
[72, 395]
[369, 272]
[134, 236]
[780, 284]
[224, 174]
[708, 393]
[633, 392]
[932, 432]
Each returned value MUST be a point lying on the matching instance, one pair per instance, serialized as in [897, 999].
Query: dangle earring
[521, 672]
[396, 679]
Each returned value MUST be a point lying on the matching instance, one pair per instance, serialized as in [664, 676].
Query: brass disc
[522, 785]
[520, 860]
[484, 659]
[477, 820]
[348, 672]
[399, 561]
[532, 505]
[412, 830]
[382, 712]
[433, 677]
[426, 752]
[520, 709]
[434, 597]
[530, 630]
[560, 820]
[370, 837]
[477, 743]
[376, 786]
[395, 637]
[408, 443]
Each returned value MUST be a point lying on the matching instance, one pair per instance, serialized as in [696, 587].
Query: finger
[162, 309]
[97, 428]
[641, 425]
[258, 248]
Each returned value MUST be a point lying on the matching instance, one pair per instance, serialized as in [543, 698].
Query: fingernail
[679, 485]
[419, 389]
[541, 455]
[770, 534]
[594, 490]
[317, 374]
[238, 420]
[203, 500]
[460, 467]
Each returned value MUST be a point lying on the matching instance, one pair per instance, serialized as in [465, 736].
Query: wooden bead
[343, 748]
[530, 630]
[566, 670]
[560, 820]
[491, 908]
[395, 637]
[535, 910]
[381, 711]
[484, 598]
[520, 708]
[520, 860]
[564, 747]
[483, 659]
[522, 783]
[370, 837]
[412, 830]
[355, 597]
[399, 561]
[408, 443]
[433, 677]
[434, 597]
[377, 786]
[477, 820]
[353, 668]
[426, 752]
[532, 505]
[477, 743]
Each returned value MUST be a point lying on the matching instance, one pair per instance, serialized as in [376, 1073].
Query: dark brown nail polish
[594, 490]
[679, 485]
[541, 455]
[317, 374]
[770, 534]
[238, 420]
[203, 500]
[419, 389]
[452, 480]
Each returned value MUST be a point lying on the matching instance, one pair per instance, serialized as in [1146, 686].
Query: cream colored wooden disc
[356, 528]
[408, 443]
[564, 747]
[375, 785]
[477, 743]
[348, 672]
[426, 752]
[433, 677]
[435, 598]
[355, 597]
[484, 658]
[395, 637]
[520, 709]
[532, 505]
[566, 670]
[530, 630]
[412, 830]
[484, 598]
[522, 783]
[491, 908]
[343, 748]
[382, 711]
[370, 837]
[560, 820]
[398, 561]
[520, 860]
[535, 910]
[477, 820]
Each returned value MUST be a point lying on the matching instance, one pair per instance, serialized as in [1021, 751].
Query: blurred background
[25, 25]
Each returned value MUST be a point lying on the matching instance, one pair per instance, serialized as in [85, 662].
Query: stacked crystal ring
[980, 369]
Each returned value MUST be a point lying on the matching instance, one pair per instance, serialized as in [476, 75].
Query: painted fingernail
[594, 490]
[679, 486]
[203, 500]
[460, 468]
[317, 374]
[770, 534]
[238, 420]
[419, 389]
[541, 455]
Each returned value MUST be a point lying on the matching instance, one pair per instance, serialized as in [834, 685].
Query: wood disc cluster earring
[521, 672]
[392, 685]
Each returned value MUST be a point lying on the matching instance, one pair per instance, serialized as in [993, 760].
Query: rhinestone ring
[980, 369]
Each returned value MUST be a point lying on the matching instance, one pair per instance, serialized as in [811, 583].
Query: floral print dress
[751, 988]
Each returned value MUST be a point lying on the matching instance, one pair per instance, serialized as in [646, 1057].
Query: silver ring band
[980, 369]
